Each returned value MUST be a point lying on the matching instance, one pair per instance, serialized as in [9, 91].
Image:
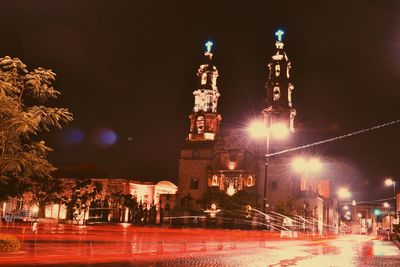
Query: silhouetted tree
[23, 163]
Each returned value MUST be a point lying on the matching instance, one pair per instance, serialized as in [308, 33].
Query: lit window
[200, 124]
[277, 70]
[214, 181]
[194, 184]
[276, 93]
[249, 181]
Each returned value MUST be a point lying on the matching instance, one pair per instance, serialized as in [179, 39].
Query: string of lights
[377, 201]
[334, 138]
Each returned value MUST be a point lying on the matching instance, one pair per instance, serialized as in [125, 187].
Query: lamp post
[342, 193]
[386, 205]
[259, 129]
[391, 182]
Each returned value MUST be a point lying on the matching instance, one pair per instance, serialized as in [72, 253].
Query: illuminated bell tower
[204, 119]
[279, 89]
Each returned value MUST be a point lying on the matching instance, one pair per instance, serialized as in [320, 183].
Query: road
[124, 245]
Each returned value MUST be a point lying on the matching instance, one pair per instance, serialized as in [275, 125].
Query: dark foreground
[123, 245]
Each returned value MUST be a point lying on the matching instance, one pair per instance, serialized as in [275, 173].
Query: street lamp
[391, 182]
[386, 205]
[258, 130]
[342, 193]
[307, 165]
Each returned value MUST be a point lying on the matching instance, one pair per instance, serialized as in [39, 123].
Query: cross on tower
[279, 33]
[209, 45]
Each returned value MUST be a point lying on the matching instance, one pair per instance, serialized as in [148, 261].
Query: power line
[376, 201]
[334, 138]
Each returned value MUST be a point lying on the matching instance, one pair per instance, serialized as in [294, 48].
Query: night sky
[129, 67]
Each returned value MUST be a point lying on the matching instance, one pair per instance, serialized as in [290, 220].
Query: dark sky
[129, 66]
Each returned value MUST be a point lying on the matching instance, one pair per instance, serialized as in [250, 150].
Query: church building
[227, 169]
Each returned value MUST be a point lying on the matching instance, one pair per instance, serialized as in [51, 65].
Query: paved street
[123, 245]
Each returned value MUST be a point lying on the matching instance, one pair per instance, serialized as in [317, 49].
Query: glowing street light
[344, 193]
[213, 211]
[280, 130]
[386, 205]
[391, 182]
[304, 165]
[258, 129]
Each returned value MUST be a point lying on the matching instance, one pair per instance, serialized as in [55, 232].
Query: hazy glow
[389, 182]
[345, 207]
[386, 205]
[280, 130]
[344, 193]
[230, 191]
[258, 129]
[314, 164]
[73, 136]
[105, 137]
[108, 137]
[303, 165]
[299, 164]
[232, 165]
[213, 211]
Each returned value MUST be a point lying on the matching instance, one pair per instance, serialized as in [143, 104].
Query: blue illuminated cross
[279, 33]
[209, 45]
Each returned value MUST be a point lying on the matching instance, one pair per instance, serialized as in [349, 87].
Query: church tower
[197, 154]
[279, 108]
[204, 119]
[278, 117]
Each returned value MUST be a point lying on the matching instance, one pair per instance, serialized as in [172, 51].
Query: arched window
[200, 124]
[276, 93]
[215, 181]
[249, 181]
[277, 70]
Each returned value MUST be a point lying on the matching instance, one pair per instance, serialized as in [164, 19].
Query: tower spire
[204, 119]
[279, 88]
[279, 34]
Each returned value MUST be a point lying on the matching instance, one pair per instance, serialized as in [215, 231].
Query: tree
[82, 193]
[23, 163]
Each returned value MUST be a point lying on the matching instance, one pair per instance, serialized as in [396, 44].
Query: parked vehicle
[19, 216]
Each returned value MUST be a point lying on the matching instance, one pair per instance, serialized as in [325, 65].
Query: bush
[9, 243]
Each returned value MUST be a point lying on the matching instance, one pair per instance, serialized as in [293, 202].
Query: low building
[97, 199]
